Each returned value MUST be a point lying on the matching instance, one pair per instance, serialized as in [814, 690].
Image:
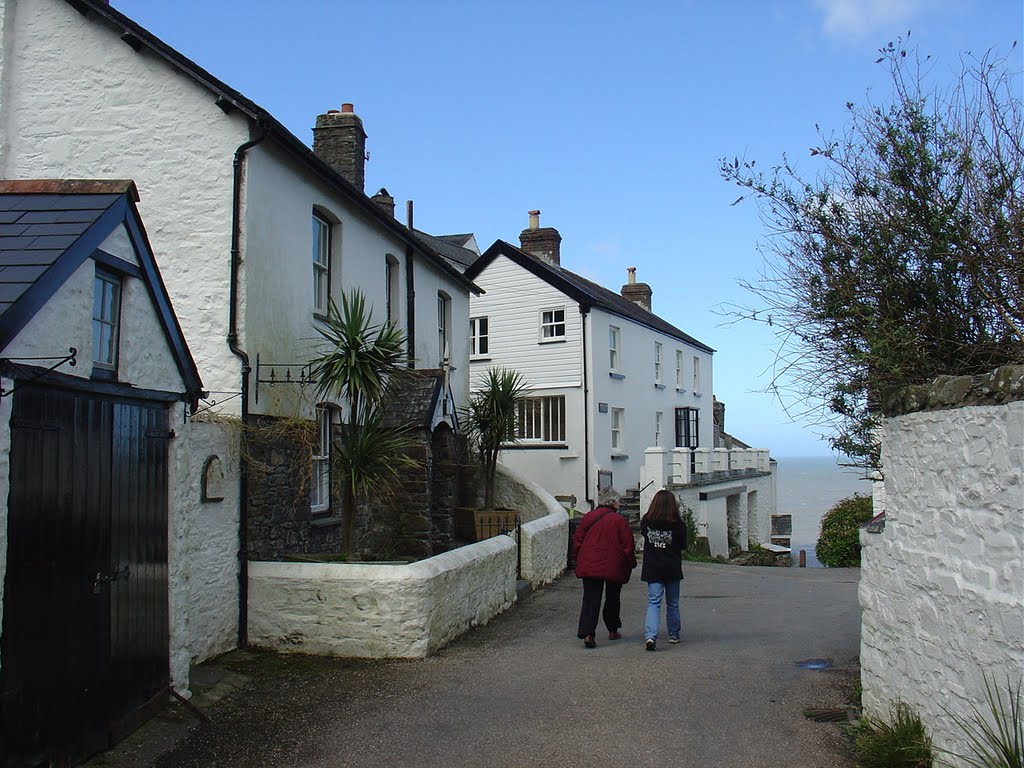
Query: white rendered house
[255, 233]
[607, 377]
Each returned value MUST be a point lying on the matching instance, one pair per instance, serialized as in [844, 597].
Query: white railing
[666, 466]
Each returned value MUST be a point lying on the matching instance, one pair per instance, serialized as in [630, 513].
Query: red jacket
[603, 546]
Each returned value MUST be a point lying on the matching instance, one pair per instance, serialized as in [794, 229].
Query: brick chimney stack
[543, 242]
[340, 141]
[384, 199]
[638, 293]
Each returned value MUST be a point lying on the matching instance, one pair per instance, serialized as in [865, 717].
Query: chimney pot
[631, 271]
[347, 108]
[534, 219]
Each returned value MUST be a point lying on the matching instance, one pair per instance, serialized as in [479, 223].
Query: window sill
[697, 394]
[681, 390]
[324, 520]
[620, 456]
[535, 446]
[568, 456]
[479, 358]
[103, 374]
[614, 375]
[659, 386]
[560, 340]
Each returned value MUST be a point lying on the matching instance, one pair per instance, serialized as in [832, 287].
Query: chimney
[638, 293]
[542, 242]
[340, 141]
[385, 201]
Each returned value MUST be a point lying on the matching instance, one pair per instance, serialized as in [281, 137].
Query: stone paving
[522, 691]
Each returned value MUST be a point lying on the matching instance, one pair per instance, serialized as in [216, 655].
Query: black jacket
[663, 551]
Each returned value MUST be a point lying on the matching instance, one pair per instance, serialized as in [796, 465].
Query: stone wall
[942, 585]
[380, 611]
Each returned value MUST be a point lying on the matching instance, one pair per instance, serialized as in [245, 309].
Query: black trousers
[592, 589]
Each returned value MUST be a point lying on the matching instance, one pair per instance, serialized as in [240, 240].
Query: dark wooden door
[85, 632]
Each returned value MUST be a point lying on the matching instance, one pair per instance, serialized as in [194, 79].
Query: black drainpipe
[584, 310]
[410, 292]
[243, 485]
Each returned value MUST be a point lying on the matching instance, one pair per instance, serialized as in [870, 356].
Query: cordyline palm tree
[490, 419]
[361, 364]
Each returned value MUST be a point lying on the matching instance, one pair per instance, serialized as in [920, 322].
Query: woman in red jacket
[605, 557]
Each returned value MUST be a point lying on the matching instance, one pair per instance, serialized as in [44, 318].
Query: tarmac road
[523, 691]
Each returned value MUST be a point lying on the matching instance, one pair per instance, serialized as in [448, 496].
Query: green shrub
[839, 540]
[900, 743]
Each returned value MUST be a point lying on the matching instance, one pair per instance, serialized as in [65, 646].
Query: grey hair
[608, 496]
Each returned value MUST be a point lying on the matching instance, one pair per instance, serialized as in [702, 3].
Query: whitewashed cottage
[607, 377]
[255, 233]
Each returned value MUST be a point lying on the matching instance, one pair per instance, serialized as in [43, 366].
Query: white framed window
[106, 320]
[552, 324]
[657, 362]
[618, 425]
[321, 264]
[391, 288]
[541, 419]
[479, 340]
[320, 478]
[657, 429]
[444, 322]
[679, 368]
[696, 375]
[613, 347]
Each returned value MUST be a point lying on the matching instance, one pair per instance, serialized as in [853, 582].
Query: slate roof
[49, 227]
[228, 99]
[414, 401]
[585, 292]
[450, 247]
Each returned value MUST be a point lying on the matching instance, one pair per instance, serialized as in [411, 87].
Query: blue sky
[609, 118]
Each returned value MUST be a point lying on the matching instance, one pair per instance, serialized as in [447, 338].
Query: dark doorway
[85, 625]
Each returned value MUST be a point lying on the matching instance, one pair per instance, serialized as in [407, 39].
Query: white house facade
[256, 233]
[607, 378]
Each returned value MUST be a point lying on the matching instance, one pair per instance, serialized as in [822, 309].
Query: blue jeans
[655, 591]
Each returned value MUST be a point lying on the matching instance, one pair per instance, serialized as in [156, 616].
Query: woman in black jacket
[664, 541]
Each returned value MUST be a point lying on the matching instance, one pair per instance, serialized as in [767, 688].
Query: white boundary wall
[380, 611]
[942, 586]
[545, 526]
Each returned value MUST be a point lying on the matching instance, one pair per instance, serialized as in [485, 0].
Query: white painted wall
[66, 321]
[380, 611]
[633, 388]
[942, 587]
[544, 534]
[120, 114]
[202, 545]
[512, 303]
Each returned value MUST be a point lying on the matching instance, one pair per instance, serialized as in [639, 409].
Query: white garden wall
[942, 586]
[544, 536]
[380, 611]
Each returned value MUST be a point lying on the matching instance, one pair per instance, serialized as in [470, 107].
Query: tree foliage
[490, 418]
[839, 539]
[903, 258]
[360, 363]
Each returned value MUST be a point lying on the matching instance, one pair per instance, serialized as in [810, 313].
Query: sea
[808, 487]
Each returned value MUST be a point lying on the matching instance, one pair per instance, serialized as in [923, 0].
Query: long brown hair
[664, 508]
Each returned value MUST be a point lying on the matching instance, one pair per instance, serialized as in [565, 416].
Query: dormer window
[106, 321]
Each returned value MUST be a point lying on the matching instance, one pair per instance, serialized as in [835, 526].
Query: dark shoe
[589, 642]
[650, 645]
[615, 635]
[673, 639]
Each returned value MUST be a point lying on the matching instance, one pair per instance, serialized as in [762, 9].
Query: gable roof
[228, 99]
[581, 290]
[451, 247]
[48, 228]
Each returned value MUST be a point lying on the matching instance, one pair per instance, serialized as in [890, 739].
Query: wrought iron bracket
[71, 358]
[273, 374]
